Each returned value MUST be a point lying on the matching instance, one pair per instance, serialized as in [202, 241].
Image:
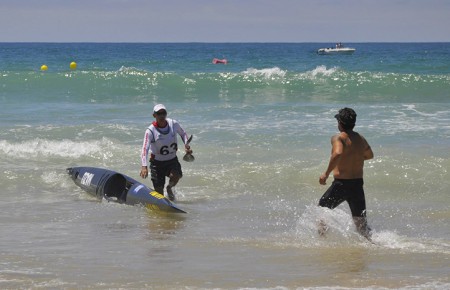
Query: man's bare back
[348, 152]
[355, 150]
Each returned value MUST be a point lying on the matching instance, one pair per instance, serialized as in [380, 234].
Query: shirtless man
[348, 153]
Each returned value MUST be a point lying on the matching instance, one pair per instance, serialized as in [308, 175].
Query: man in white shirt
[161, 140]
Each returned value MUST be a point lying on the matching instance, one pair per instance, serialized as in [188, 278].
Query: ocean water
[262, 126]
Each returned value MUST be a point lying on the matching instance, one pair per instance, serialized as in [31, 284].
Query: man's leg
[357, 204]
[330, 199]
[362, 227]
[174, 176]
[158, 178]
[173, 180]
[159, 189]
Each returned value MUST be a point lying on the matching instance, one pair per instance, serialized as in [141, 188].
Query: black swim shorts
[161, 169]
[350, 190]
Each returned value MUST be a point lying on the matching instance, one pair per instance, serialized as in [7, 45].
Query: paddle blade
[188, 157]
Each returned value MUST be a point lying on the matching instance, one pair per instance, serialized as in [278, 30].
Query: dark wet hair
[347, 118]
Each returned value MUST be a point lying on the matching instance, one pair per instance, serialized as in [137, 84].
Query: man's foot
[170, 193]
[362, 227]
[323, 229]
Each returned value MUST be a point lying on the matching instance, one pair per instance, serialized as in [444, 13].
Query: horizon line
[214, 42]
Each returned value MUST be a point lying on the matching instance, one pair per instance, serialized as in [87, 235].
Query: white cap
[159, 107]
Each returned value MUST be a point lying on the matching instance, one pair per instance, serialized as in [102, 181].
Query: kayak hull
[113, 186]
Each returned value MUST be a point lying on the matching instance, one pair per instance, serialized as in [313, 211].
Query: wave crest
[50, 148]
[267, 73]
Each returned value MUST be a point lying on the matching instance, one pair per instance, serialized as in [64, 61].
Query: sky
[225, 21]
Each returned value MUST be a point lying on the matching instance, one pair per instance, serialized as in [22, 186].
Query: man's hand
[144, 172]
[323, 179]
[188, 149]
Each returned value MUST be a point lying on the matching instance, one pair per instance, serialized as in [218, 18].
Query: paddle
[188, 157]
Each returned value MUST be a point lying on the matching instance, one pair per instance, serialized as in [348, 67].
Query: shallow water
[262, 127]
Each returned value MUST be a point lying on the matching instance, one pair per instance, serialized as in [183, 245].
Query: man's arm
[368, 153]
[183, 135]
[144, 153]
[336, 153]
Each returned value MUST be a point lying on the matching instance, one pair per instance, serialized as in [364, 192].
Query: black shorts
[350, 190]
[160, 169]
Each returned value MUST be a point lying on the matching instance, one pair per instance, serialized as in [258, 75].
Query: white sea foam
[39, 147]
[342, 231]
[267, 73]
[322, 70]
[393, 240]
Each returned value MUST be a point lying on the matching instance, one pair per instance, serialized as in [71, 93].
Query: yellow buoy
[73, 65]
[44, 67]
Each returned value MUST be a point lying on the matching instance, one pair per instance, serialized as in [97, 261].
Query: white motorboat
[337, 50]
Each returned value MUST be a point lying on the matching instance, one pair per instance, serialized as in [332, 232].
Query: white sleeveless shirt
[162, 142]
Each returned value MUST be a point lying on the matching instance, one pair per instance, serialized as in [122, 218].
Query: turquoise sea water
[262, 126]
